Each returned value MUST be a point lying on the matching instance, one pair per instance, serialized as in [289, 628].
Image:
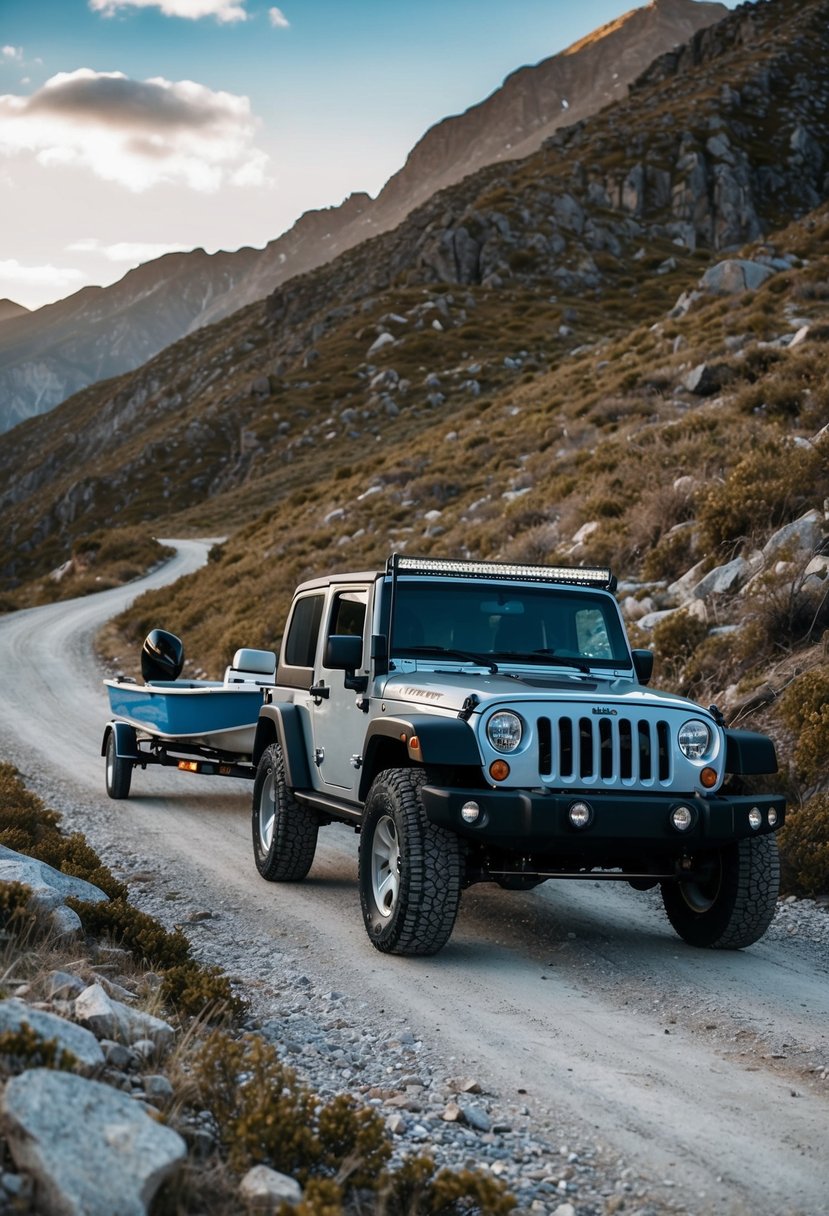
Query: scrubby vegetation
[263, 1114]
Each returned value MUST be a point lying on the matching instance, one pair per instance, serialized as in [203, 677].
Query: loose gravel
[429, 1104]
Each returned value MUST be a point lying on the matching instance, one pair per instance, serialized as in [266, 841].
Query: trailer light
[755, 818]
[470, 811]
[580, 814]
[682, 818]
[499, 770]
[708, 778]
[189, 766]
[772, 817]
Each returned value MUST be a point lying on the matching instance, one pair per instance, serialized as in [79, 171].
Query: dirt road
[708, 1067]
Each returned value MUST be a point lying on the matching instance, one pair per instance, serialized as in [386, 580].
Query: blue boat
[206, 713]
[200, 726]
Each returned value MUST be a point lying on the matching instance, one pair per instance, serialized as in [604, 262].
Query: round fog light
[772, 817]
[682, 817]
[470, 812]
[755, 818]
[580, 814]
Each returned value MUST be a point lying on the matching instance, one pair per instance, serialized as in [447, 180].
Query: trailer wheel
[118, 770]
[732, 904]
[410, 870]
[284, 833]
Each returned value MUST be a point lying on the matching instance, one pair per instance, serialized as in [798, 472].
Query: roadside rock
[111, 1019]
[108, 1159]
[266, 1189]
[50, 887]
[16, 1014]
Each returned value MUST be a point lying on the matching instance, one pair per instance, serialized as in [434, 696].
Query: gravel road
[564, 1039]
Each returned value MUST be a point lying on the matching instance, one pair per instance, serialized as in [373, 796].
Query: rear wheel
[118, 770]
[284, 833]
[410, 870]
[731, 902]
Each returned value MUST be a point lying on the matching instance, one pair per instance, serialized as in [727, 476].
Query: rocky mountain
[49, 354]
[101, 332]
[9, 309]
[504, 282]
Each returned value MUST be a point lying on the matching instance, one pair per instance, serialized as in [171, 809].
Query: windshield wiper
[544, 655]
[449, 652]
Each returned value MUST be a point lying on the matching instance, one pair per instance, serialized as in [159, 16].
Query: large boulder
[50, 888]
[91, 1149]
[733, 276]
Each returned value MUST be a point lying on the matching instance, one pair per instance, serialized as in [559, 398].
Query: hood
[448, 690]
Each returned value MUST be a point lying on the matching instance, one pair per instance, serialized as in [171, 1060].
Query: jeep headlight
[505, 730]
[694, 739]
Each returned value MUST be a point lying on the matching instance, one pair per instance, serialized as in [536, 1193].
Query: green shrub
[196, 990]
[141, 934]
[766, 488]
[675, 639]
[804, 848]
[804, 708]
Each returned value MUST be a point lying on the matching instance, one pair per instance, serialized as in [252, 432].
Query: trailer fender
[281, 723]
[126, 741]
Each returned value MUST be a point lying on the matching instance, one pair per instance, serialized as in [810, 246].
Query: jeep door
[338, 722]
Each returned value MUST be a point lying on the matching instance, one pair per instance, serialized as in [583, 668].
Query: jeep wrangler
[489, 722]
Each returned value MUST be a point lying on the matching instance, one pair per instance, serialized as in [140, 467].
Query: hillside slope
[100, 332]
[492, 283]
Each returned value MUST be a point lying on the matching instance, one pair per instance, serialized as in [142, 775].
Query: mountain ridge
[61, 349]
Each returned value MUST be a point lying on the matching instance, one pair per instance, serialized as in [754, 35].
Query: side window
[301, 643]
[348, 613]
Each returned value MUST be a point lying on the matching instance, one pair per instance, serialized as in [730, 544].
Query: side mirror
[343, 652]
[643, 665]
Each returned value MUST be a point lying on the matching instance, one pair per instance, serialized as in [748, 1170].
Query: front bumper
[539, 822]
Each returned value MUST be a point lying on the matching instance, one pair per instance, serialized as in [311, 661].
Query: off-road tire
[118, 771]
[284, 833]
[734, 906]
[410, 870]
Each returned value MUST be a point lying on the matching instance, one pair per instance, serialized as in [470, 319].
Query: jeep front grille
[603, 751]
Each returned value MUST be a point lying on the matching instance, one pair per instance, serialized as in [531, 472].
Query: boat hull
[203, 713]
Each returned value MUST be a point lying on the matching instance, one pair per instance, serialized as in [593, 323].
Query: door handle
[320, 692]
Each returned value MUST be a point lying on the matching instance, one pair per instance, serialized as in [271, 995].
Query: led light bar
[585, 576]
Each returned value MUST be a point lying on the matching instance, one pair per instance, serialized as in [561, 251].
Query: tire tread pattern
[295, 828]
[430, 886]
[745, 905]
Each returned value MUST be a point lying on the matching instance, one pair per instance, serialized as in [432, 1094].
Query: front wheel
[732, 901]
[284, 833]
[410, 870]
[118, 770]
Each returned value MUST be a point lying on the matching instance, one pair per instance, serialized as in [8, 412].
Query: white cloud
[136, 133]
[225, 11]
[54, 276]
[12, 54]
[278, 19]
[133, 252]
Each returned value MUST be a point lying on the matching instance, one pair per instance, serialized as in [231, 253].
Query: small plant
[804, 845]
[24, 1048]
[804, 708]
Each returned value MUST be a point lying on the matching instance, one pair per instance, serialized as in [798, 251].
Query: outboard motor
[162, 656]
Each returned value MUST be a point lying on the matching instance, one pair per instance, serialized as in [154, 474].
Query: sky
[133, 128]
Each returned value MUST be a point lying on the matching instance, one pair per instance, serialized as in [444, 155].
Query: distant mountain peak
[8, 309]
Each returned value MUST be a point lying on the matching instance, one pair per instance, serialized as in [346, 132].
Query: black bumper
[539, 822]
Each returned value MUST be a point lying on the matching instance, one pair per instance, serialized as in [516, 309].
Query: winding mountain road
[709, 1068]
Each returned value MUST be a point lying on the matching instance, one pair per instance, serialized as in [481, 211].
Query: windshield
[501, 623]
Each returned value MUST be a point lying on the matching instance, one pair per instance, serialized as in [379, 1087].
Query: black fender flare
[281, 723]
[747, 752]
[126, 740]
[438, 741]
